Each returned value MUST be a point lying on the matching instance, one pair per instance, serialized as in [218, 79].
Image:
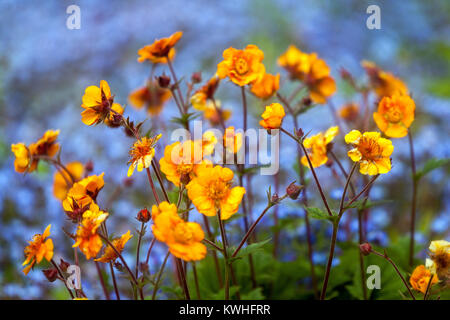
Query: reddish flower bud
[51, 274]
[306, 101]
[164, 81]
[293, 190]
[196, 77]
[185, 178]
[300, 133]
[63, 265]
[365, 248]
[275, 198]
[144, 215]
[89, 166]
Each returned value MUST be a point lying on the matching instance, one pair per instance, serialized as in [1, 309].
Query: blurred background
[45, 67]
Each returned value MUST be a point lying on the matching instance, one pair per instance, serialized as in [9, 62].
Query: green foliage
[319, 214]
[429, 166]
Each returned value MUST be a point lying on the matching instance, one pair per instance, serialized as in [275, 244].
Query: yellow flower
[163, 207]
[39, 247]
[200, 98]
[46, 146]
[272, 116]
[111, 121]
[180, 161]
[314, 72]
[394, 116]
[61, 178]
[267, 86]
[87, 238]
[232, 141]
[349, 112]
[152, 97]
[160, 49]
[23, 161]
[211, 190]
[142, 153]
[98, 103]
[384, 83]
[371, 151]
[213, 113]
[83, 192]
[242, 66]
[183, 238]
[109, 254]
[420, 278]
[318, 145]
[439, 261]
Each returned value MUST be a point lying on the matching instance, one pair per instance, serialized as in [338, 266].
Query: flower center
[241, 66]
[369, 149]
[182, 233]
[185, 168]
[218, 189]
[394, 115]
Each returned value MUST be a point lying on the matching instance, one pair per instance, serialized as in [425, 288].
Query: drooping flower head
[212, 190]
[439, 261]
[110, 255]
[87, 238]
[242, 66]
[200, 98]
[47, 145]
[272, 116]
[160, 49]
[395, 114]
[38, 248]
[317, 144]
[152, 97]
[23, 161]
[349, 112]
[371, 151]
[384, 83]
[183, 238]
[62, 182]
[98, 104]
[142, 153]
[267, 86]
[314, 72]
[420, 278]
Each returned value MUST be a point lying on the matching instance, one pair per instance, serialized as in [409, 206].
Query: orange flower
[318, 145]
[116, 110]
[39, 247]
[314, 72]
[211, 190]
[232, 141]
[163, 207]
[267, 86]
[152, 97]
[180, 161]
[371, 151]
[384, 83]
[272, 116]
[87, 238]
[23, 161]
[349, 112]
[395, 115]
[83, 193]
[439, 261]
[98, 104]
[205, 93]
[61, 179]
[45, 146]
[109, 255]
[160, 49]
[242, 66]
[214, 113]
[420, 278]
[142, 153]
[183, 238]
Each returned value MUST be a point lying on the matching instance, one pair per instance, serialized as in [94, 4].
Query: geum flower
[420, 278]
[319, 147]
[371, 151]
[152, 97]
[314, 72]
[383, 83]
[23, 161]
[439, 261]
[38, 248]
[211, 190]
[184, 239]
[142, 153]
[395, 115]
[62, 182]
[160, 49]
[86, 238]
[110, 255]
[267, 86]
[242, 66]
[181, 161]
[99, 105]
[272, 116]
[349, 112]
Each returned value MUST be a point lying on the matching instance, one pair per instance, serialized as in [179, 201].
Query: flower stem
[158, 279]
[138, 248]
[63, 279]
[169, 63]
[113, 276]
[158, 176]
[413, 200]
[216, 260]
[330, 261]
[152, 185]
[225, 255]
[102, 281]
[197, 287]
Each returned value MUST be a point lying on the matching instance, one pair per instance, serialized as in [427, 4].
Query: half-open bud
[365, 248]
[293, 190]
[51, 274]
[144, 215]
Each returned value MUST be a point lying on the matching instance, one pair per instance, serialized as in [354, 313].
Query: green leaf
[430, 165]
[251, 248]
[319, 214]
[363, 204]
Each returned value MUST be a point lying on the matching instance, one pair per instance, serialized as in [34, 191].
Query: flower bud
[293, 190]
[330, 146]
[306, 101]
[365, 248]
[196, 77]
[51, 274]
[89, 166]
[143, 267]
[63, 265]
[185, 178]
[116, 121]
[300, 133]
[164, 81]
[144, 215]
[275, 198]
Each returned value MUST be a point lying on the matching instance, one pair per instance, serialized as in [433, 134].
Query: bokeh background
[44, 69]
